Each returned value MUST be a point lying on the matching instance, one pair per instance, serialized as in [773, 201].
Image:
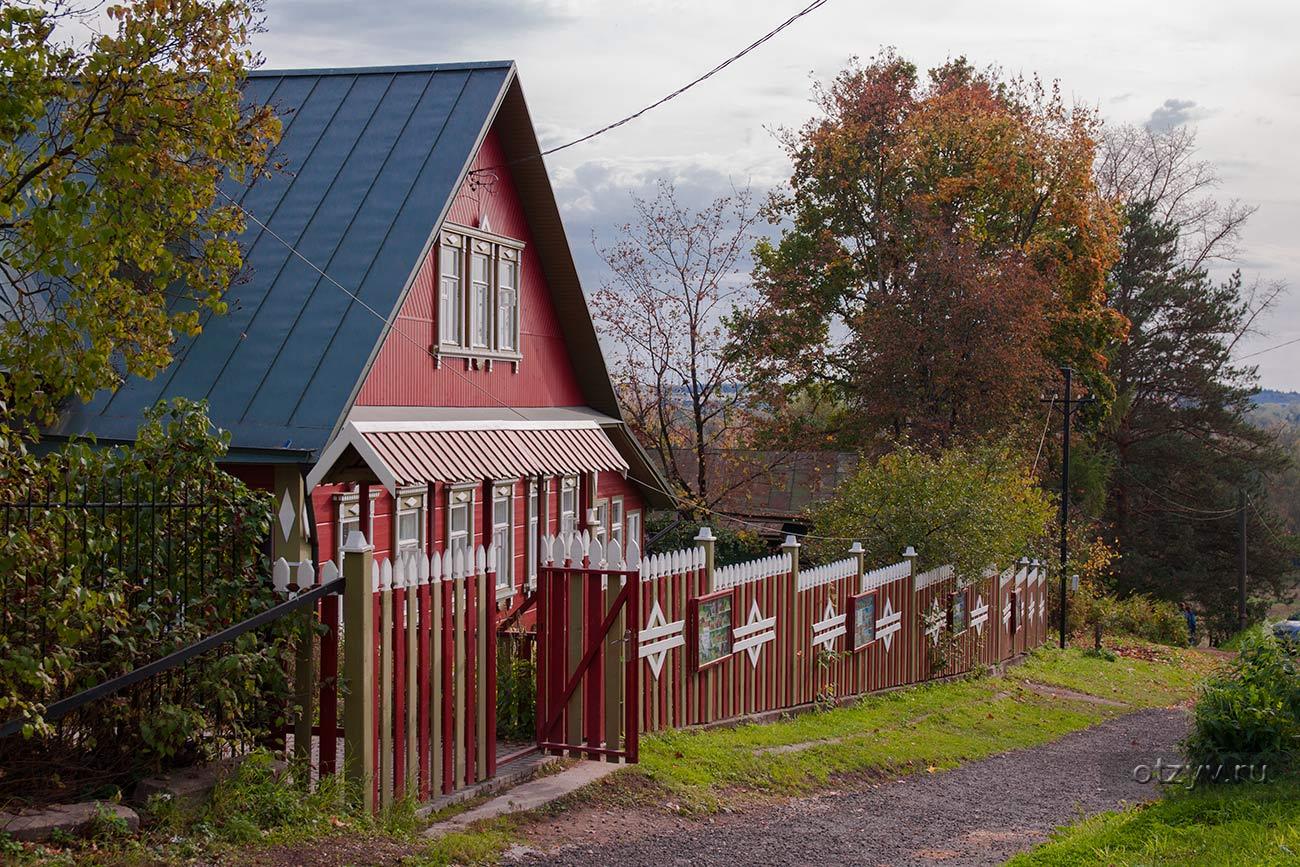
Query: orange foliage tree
[944, 247]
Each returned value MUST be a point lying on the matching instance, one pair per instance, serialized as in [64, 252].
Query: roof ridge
[369, 70]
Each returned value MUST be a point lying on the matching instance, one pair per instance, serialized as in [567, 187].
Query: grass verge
[1248, 823]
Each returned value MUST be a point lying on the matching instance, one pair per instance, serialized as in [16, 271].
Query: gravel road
[980, 813]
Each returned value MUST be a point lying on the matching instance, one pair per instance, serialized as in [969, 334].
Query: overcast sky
[1230, 69]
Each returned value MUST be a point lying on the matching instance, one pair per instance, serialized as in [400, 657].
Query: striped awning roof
[414, 453]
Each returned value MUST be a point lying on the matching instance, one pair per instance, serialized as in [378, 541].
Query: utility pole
[1070, 406]
[1241, 559]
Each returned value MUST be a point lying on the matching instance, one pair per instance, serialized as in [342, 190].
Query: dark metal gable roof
[370, 157]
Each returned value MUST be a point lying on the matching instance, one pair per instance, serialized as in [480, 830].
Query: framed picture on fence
[862, 619]
[713, 619]
[958, 612]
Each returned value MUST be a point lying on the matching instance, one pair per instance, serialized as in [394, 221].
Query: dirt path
[980, 813]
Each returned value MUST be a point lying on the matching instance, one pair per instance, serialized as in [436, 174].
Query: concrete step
[528, 796]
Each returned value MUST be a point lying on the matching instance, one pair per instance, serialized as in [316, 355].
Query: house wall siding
[404, 373]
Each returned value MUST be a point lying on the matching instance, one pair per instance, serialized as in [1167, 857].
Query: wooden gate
[587, 660]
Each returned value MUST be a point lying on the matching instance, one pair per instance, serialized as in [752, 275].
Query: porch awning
[398, 454]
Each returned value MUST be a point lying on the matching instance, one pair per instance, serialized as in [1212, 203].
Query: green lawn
[933, 726]
[1256, 824]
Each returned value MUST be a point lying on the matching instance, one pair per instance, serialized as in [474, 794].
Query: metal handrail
[171, 660]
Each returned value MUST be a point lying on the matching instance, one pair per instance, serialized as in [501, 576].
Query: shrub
[115, 568]
[1251, 714]
[516, 687]
[971, 507]
[1095, 612]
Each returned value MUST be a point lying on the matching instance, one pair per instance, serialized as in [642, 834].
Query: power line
[811, 7]
[1268, 349]
[1260, 515]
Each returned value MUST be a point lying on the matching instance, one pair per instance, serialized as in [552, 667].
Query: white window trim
[532, 526]
[468, 242]
[616, 526]
[347, 507]
[461, 495]
[410, 500]
[628, 523]
[568, 484]
[505, 491]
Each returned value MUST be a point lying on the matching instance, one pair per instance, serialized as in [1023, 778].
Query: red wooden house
[412, 320]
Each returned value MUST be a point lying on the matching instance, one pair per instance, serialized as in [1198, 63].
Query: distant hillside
[1270, 395]
[1274, 407]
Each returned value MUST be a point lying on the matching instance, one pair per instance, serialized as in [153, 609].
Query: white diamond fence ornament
[288, 514]
[756, 632]
[658, 637]
[1006, 614]
[934, 622]
[829, 628]
[979, 615]
[890, 621]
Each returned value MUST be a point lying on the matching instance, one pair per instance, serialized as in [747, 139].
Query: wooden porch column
[289, 540]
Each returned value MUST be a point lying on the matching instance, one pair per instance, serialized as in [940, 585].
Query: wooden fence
[419, 636]
[627, 645]
[767, 635]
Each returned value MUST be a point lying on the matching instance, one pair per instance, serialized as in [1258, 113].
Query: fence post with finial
[910, 620]
[706, 540]
[359, 669]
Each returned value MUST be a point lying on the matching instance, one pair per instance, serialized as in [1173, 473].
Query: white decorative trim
[890, 621]
[658, 637]
[934, 622]
[756, 632]
[885, 574]
[829, 628]
[934, 576]
[979, 615]
[751, 571]
[671, 563]
[829, 573]
[288, 514]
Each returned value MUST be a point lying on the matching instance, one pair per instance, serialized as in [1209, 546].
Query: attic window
[478, 294]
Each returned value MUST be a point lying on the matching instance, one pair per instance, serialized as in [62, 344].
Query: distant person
[1190, 616]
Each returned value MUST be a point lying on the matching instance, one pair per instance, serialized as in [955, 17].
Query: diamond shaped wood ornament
[829, 628]
[979, 615]
[659, 637]
[890, 621]
[1006, 614]
[287, 515]
[934, 622]
[757, 631]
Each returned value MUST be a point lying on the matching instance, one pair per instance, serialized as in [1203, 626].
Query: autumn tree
[1179, 441]
[944, 246]
[677, 273]
[113, 237]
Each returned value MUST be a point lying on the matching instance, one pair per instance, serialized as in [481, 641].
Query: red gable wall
[404, 375]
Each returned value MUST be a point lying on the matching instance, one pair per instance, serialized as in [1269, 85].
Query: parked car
[1289, 629]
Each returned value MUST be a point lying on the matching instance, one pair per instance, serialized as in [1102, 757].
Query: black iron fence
[102, 577]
